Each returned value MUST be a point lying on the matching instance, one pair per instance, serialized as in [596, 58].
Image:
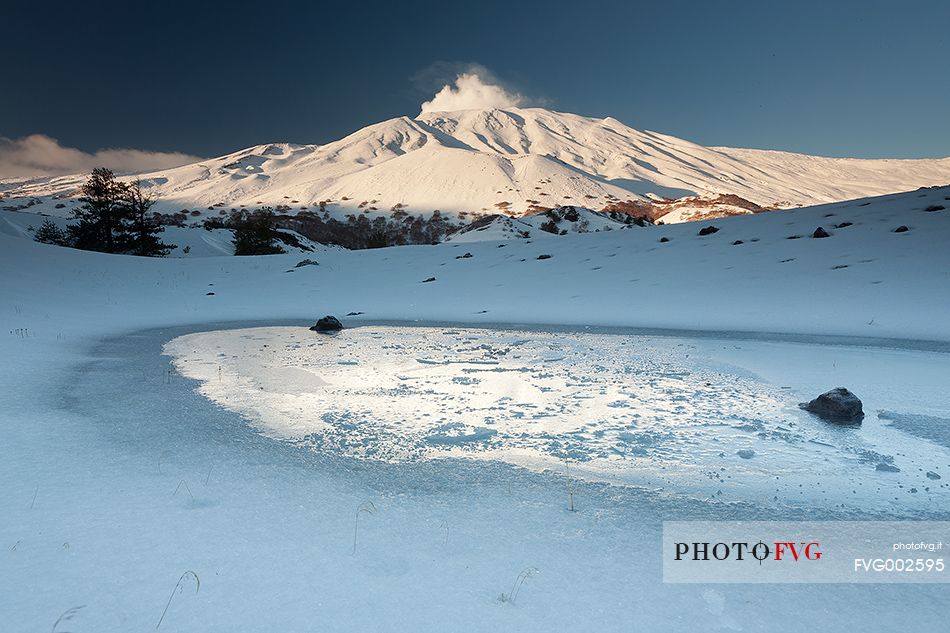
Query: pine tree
[114, 218]
[384, 233]
[99, 220]
[254, 234]
[437, 228]
[49, 233]
[377, 239]
[139, 231]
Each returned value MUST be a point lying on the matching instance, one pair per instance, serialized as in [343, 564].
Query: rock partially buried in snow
[820, 232]
[838, 405]
[327, 324]
[708, 230]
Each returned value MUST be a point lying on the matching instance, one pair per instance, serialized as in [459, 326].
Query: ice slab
[699, 417]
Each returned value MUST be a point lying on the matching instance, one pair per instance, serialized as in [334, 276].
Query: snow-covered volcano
[509, 161]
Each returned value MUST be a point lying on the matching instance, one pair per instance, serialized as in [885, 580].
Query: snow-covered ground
[864, 280]
[118, 477]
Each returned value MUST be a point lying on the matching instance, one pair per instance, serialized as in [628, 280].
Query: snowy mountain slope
[707, 207]
[496, 228]
[496, 161]
[542, 224]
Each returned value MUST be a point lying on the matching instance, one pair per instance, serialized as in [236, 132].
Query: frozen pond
[699, 417]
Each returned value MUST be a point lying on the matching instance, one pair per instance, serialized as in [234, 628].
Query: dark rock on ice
[901, 229]
[820, 232]
[708, 230]
[838, 405]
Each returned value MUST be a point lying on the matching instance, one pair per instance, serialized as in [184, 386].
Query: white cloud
[40, 155]
[470, 92]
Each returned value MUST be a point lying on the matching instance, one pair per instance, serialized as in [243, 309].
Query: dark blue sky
[863, 79]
